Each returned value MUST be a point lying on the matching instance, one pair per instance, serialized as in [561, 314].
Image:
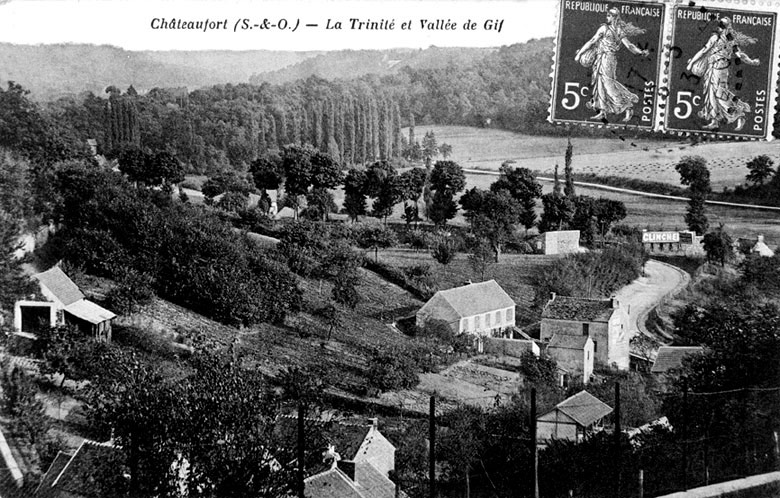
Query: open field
[478, 148]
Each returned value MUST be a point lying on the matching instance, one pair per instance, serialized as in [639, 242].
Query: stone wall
[509, 347]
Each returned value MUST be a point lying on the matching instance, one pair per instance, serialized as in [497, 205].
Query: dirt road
[645, 293]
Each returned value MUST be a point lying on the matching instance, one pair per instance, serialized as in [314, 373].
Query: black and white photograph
[389, 249]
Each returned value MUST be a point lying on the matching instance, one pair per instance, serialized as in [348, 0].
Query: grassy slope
[271, 348]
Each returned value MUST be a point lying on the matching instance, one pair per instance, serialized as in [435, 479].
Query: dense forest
[356, 121]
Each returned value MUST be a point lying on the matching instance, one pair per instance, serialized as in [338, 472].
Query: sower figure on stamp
[609, 96]
[712, 64]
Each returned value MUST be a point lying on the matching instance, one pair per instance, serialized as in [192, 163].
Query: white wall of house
[578, 362]
[484, 323]
[18, 305]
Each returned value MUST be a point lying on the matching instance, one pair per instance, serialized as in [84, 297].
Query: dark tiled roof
[566, 341]
[475, 299]
[60, 285]
[332, 483]
[584, 408]
[671, 357]
[579, 309]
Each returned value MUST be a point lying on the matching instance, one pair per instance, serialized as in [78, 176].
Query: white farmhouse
[481, 309]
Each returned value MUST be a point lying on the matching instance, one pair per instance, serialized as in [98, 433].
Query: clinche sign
[655, 237]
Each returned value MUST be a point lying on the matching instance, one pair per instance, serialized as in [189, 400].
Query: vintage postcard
[607, 63]
[722, 75]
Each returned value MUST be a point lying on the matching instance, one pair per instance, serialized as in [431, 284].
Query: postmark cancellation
[690, 68]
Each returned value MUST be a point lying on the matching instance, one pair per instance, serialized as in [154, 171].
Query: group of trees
[763, 184]
[189, 255]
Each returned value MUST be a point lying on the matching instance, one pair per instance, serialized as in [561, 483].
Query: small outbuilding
[559, 242]
[61, 302]
[670, 358]
[574, 354]
[572, 419]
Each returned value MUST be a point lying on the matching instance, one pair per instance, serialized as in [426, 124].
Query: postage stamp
[607, 63]
[722, 73]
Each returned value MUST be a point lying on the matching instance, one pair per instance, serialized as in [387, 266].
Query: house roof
[584, 408]
[92, 470]
[671, 357]
[470, 300]
[60, 285]
[578, 308]
[332, 483]
[566, 341]
[89, 311]
[372, 483]
[346, 438]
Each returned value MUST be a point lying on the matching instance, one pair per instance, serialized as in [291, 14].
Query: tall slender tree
[568, 171]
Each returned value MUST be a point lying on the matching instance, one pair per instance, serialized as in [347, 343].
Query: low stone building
[603, 320]
[559, 242]
[572, 419]
[573, 354]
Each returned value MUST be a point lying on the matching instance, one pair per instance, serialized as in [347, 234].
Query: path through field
[645, 293]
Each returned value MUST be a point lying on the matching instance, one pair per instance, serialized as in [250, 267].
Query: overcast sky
[128, 23]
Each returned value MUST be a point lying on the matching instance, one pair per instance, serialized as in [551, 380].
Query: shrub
[133, 289]
[392, 370]
[443, 249]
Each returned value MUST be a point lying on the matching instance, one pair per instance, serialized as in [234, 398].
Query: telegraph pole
[534, 447]
[617, 438]
[432, 449]
[301, 452]
[685, 434]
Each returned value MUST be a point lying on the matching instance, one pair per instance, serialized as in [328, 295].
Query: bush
[594, 274]
[133, 289]
[392, 370]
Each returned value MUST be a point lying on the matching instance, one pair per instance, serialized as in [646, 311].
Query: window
[464, 324]
[498, 318]
[487, 319]
[585, 329]
[510, 315]
[476, 322]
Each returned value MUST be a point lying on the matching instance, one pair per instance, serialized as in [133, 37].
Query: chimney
[552, 296]
[374, 422]
[614, 302]
[330, 456]
[348, 467]
[760, 239]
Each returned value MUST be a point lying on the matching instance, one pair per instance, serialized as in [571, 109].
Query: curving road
[645, 293]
